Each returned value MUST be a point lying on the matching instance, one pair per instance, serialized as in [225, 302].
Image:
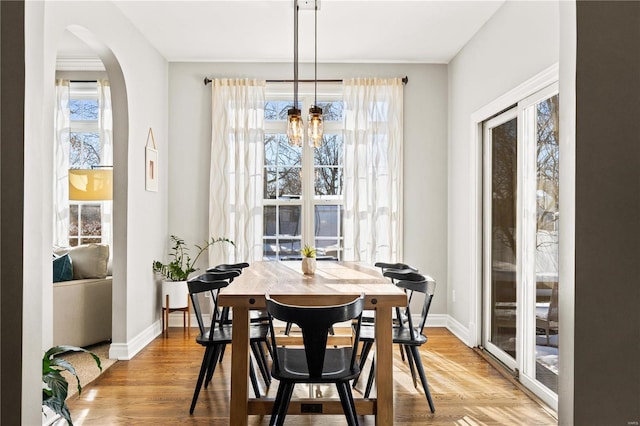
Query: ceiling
[379, 31]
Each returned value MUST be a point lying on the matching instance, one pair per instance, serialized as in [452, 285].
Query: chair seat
[399, 335]
[223, 334]
[293, 366]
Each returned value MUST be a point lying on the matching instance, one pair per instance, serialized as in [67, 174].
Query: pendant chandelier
[295, 125]
[315, 112]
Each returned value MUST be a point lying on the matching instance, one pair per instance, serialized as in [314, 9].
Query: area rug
[86, 367]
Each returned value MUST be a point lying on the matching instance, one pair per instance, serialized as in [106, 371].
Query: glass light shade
[315, 126]
[295, 127]
[90, 185]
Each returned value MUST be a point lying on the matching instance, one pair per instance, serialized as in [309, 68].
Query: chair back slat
[427, 287]
[386, 266]
[403, 274]
[315, 322]
[211, 283]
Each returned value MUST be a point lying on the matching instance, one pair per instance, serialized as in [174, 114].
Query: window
[86, 150]
[303, 186]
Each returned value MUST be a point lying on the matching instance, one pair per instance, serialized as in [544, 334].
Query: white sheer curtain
[373, 169]
[236, 191]
[61, 166]
[105, 123]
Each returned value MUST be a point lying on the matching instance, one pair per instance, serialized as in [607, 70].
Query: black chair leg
[276, 405]
[349, 410]
[372, 375]
[212, 365]
[254, 379]
[224, 319]
[423, 378]
[366, 347]
[411, 366]
[287, 328]
[263, 357]
[206, 359]
[269, 348]
[352, 403]
[284, 405]
[260, 359]
[401, 353]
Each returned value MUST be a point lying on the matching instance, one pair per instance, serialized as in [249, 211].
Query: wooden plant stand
[186, 312]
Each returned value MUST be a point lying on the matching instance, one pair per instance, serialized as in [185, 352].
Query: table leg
[239, 367]
[384, 367]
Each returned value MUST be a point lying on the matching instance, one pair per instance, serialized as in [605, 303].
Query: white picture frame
[151, 164]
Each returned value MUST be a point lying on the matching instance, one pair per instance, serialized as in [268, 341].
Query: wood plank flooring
[156, 387]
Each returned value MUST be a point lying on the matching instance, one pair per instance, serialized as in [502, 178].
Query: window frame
[85, 90]
[326, 92]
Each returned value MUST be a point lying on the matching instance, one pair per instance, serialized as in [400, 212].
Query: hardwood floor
[156, 387]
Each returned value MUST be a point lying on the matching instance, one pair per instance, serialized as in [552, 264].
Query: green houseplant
[308, 260]
[181, 264]
[54, 385]
[175, 293]
[308, 251]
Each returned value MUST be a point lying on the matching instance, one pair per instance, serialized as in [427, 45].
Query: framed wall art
[151, 163]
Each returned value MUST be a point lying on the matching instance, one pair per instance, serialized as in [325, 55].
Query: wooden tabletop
[332, 283]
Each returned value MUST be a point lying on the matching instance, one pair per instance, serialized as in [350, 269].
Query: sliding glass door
[500, 239]
[520, 242]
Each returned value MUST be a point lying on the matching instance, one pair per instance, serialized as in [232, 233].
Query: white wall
[140, 217]
[520, 40]
[425, 154]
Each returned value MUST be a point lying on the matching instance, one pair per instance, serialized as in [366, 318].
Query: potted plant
[54, 385]
[308, 260]
[177, 271]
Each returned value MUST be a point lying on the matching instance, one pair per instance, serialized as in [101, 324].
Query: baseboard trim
[458, 330]
[126, 351]
[433, 320]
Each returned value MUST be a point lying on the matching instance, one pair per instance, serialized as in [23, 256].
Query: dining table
[334, 282]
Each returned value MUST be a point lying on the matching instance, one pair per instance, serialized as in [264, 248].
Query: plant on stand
[177, 271]
[181, 265]
[308, 260]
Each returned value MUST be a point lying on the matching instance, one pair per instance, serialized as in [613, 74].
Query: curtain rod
[207, 80]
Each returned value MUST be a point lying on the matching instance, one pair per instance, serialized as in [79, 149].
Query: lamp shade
[90, 185]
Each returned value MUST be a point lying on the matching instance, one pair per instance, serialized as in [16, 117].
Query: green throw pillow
[62, 268]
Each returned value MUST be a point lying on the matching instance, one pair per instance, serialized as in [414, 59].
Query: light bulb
[315, 126]
[295, 127]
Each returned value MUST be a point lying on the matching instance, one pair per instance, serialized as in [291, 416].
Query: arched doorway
[82, 56]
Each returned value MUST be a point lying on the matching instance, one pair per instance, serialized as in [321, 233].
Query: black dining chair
[409, 337]
[393, 271]
[315, 363]
[256, 317]
[217, 335]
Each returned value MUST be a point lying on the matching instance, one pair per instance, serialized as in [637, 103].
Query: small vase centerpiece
[308, 260]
